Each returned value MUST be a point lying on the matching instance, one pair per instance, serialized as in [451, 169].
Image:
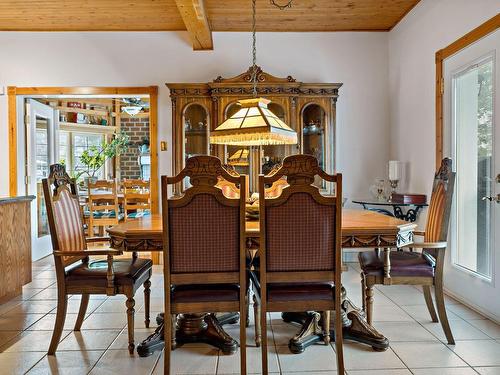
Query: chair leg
[263, 323]
[83, 310]
[339, 341]
[363, 292]
[243, 336]
[256, 314]
[62, 305]
[168, 343]
[438, 289]
[174, 330]
[369, 302]
[429, 303]
[326, 327]
[130, 322]
[147, 301]
[247, 307]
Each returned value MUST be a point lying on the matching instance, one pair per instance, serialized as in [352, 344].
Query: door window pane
[42, 171]
[41, 149]
[473, 124]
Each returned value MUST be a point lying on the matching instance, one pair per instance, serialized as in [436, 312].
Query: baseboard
[478, 309]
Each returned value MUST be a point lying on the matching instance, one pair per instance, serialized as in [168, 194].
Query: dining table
[360, 229]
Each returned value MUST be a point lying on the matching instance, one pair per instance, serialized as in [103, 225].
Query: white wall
[429, 27]
[359, 60]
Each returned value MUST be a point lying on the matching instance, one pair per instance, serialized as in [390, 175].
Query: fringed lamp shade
[253, 125]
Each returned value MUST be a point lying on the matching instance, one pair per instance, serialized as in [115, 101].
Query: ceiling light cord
[254, 49]
[282, 7]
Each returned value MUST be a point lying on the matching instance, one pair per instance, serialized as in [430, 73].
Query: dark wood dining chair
[300, 249]
[75, 272]
[204, 248]
[423, 268]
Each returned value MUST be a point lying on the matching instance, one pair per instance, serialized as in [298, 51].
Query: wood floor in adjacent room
[417, 345]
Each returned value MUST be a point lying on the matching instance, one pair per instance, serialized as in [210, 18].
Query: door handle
[491, 199]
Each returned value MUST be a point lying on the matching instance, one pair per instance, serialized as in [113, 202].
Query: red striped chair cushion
[69, 226]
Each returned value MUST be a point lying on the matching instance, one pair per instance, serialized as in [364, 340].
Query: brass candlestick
[394, 186]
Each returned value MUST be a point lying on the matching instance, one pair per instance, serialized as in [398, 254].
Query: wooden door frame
[152, 91]
[471, 37]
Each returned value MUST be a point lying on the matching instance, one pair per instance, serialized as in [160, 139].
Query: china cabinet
[309, 108]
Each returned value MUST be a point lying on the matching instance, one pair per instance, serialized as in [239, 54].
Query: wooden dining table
[360, 229]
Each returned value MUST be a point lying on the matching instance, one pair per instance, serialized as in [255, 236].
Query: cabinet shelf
[84, 111]
[76, 127]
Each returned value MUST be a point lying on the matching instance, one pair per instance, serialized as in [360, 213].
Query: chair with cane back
[300, 249]
[204, 247]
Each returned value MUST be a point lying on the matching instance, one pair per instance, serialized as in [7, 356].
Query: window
[71, 147]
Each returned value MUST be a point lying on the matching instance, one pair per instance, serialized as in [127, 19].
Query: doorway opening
[80, 131]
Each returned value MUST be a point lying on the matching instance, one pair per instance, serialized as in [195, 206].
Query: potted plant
[93, 158]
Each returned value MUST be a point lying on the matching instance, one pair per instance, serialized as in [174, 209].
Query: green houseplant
[93, 158]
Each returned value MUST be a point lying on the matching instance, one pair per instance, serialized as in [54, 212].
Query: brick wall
[137, 129]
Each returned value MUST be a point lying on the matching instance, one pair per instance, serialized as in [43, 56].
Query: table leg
[355, 328]
[191, 328]
[387, 263]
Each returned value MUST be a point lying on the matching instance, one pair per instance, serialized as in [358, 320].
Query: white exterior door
[472, 140]
[41, 133]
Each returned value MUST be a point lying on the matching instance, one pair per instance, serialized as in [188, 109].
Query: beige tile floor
[417, 345]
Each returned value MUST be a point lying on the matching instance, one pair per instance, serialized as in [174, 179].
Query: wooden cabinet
[15, 245]
[309, 108]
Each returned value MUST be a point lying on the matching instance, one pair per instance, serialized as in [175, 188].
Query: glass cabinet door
[196, 137]
[195, 131]
[313, 133]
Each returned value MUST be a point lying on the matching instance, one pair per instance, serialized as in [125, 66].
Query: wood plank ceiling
[200, 17]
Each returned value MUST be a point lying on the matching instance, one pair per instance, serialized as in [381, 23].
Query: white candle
[394, 170]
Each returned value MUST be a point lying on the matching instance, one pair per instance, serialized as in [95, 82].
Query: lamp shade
[253, 125]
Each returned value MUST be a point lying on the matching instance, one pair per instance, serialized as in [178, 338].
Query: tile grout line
[439, 340]
[48, 287]
[106, 350]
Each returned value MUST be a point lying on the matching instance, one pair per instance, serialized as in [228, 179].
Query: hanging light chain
[282, 7]
[254, 49]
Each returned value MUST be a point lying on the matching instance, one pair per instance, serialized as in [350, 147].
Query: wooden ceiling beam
[194, 15]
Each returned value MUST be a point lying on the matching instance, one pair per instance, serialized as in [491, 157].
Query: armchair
[76, 273]
[423, 268]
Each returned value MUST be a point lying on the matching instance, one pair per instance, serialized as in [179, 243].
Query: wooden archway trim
[471, 37]
[152, 91]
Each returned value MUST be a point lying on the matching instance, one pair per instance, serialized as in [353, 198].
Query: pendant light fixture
[253, 124]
